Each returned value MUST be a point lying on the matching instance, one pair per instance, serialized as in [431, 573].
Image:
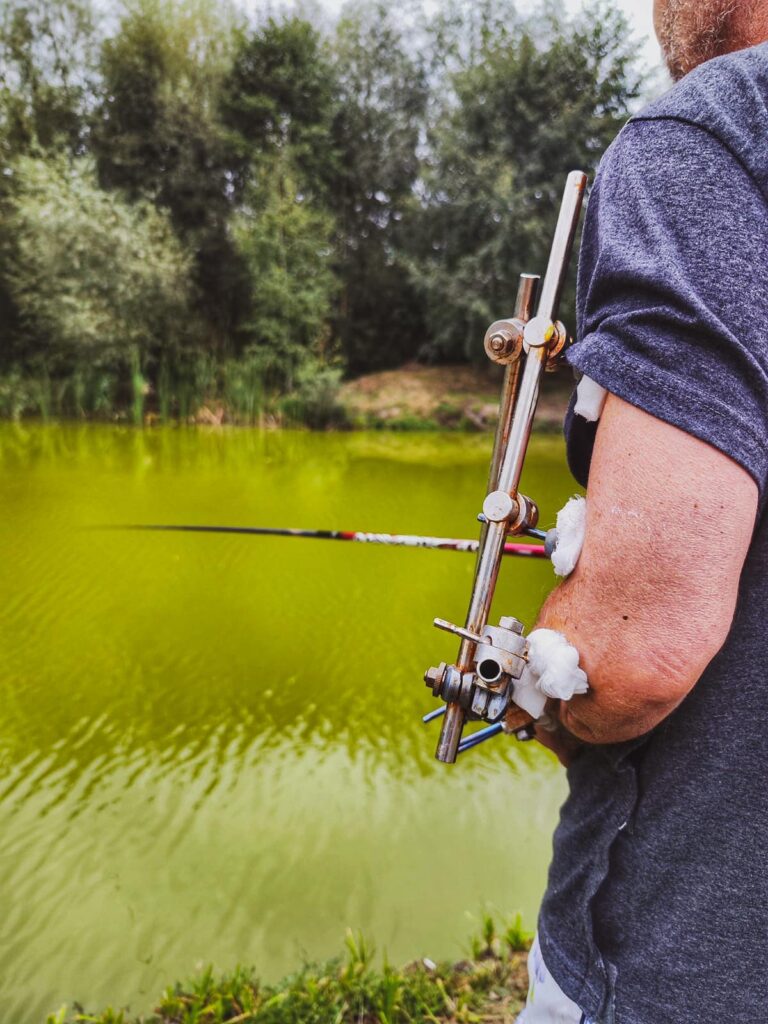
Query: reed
[244, 388]
[138, 387]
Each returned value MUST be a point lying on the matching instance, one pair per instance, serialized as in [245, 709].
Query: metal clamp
[485, 690]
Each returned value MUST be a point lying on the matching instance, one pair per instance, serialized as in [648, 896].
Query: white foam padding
[553, 664]
[571, 529]
[590, 399]
[527, 695]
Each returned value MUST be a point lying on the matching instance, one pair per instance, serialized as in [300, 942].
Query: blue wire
[434, 714]
[476, 738]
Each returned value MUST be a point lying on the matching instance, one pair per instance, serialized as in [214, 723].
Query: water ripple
[212, 748]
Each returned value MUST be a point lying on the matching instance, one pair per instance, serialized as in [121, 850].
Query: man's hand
[651, 601]
[561, 742]
[516, 719]
[549, 732]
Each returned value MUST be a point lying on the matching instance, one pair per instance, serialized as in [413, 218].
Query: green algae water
[211, 746]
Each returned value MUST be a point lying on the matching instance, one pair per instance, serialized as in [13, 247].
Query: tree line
[200, 204]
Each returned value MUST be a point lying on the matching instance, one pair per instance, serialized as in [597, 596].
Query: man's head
[693, 31]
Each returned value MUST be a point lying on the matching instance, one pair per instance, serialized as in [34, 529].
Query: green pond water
[211, 747]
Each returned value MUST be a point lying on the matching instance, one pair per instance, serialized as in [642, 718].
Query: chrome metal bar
[450, 734]
[525, 304]
[519, 435]
[489, 559]
[562, 244]
[513, 448]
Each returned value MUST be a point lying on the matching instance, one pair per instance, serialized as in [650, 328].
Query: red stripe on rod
[533, 550]
[387, 539]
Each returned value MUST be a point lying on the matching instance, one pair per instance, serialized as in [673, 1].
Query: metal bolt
[538, 332]
[512, 624]
[499, 507]
[504, 341]
[434, 677]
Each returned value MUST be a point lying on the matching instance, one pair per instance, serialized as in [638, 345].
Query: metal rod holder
[525, 345]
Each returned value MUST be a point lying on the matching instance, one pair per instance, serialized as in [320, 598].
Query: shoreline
[412, 399]
[489, 988]
[458, 397]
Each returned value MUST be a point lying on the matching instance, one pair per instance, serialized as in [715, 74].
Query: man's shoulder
[727, 97]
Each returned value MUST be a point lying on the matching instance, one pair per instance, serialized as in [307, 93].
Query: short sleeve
[673, 288]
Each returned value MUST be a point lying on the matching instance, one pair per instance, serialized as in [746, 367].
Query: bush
[315, 400]
[96, 281]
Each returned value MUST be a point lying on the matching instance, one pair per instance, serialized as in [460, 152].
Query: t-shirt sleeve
[673, 289]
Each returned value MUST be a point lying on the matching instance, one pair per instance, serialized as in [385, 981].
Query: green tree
[47, 75]
[520, 112]
[277, 106]
[380, 109]
[47, 79]
[287, 247]
[157, 135]
[278, 97]
[101, 285]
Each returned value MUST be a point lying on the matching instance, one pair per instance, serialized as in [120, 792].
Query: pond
[211, 746]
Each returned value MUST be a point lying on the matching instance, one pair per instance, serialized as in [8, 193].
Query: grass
[242, 391]
[489, 988]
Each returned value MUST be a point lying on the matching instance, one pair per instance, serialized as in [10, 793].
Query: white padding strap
[590, 399]
[553, 664]
[571, 528]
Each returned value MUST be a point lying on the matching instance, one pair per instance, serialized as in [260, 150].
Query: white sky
[638, 12]
[640, 15]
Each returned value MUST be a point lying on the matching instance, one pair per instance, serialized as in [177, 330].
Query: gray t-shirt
[656, 910]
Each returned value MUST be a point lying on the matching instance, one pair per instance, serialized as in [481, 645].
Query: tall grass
[250, 389]
[349, 990]
[244, 388]
[138, 386]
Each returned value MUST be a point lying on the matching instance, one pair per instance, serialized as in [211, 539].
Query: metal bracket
[486, 689]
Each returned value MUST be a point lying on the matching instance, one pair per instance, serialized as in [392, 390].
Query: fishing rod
[511, 548]
[488, 677]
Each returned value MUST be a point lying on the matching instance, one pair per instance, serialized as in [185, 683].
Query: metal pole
[495, 533]
[524, 306]
[453, 723]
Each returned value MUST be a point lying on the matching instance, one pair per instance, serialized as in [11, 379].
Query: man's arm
[651, 601]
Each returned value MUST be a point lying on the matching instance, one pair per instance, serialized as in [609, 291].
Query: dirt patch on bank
[462, 397]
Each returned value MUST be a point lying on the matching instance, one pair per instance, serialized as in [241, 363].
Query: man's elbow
[636, 688]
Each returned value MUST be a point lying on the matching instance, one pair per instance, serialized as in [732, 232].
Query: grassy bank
[411, 398]
[487, 988]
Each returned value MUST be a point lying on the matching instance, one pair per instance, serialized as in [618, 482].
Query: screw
[498, 344]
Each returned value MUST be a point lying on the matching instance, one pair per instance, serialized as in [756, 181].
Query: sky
[640, 15]
[638, 12]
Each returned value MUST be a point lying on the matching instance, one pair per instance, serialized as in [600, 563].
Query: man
[656, 911]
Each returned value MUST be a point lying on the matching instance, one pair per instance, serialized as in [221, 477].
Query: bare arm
[652, 598]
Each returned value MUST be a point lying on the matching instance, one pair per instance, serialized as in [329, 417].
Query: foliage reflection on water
[212, 746]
